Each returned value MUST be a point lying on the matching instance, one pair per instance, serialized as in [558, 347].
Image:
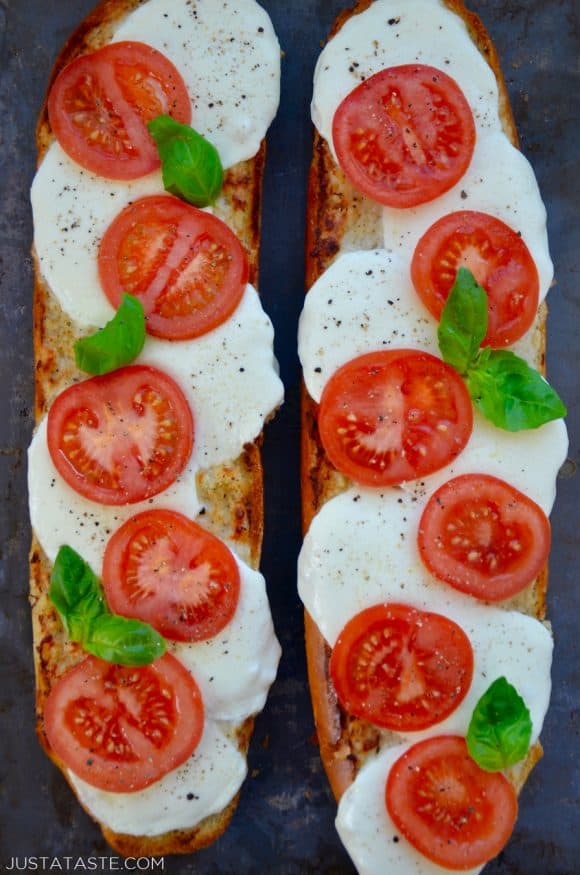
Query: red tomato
[122, 728]
[100, 104]
[401, 668]
[122, 437]
[394, 415]
[497, 257]
[186, 267]
[164, 569]
[452, 811]
[484, 537]
[405, 135]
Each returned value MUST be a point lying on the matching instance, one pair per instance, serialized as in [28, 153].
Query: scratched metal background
[284, 822]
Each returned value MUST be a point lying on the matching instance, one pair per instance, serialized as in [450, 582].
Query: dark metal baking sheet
[284, 822]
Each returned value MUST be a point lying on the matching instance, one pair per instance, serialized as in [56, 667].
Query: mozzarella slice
[229, 58]
[499, 181]
[365, 827]
[72, 208]
[394, 32]
[59, 515]
[205, 784]
[364, 301]
[229, 376]
[361, 551]
[235, 670]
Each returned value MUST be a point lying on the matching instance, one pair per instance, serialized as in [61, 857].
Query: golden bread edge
[232, 493]
[338, 220]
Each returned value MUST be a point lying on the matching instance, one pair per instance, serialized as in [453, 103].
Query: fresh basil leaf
[75, 592]
[500, 729]
[512, 394]
[115, 345]
[124, 641]
[463, 322]
[190, 164]
[78, 596]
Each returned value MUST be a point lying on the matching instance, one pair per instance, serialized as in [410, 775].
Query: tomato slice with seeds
[401, 668]
[188, 269]
[394, 415]
[405, 135]
[100, 104]
[498, 258]
[164, 569]
[448, 808]
[484, 537]
[122, 437]
[121, 728]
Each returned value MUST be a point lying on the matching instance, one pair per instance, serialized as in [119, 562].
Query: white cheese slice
[367, 831]
[394, 32]
[361, 551]
[500, 181]
[235, 669]
[205, 784]
[229, 58]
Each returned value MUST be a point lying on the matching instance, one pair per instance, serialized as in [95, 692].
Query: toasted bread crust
[232, 493]
[339, 219]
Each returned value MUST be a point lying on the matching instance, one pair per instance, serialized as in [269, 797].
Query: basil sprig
[502, 385]
[115, 345]
[191, 166]
[78, 596]
[500, 729]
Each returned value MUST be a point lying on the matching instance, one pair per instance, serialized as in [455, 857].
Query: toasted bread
[232, 493]
[340, 220]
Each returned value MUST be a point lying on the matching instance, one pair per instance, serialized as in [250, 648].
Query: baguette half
[232, 493]
[340, 220]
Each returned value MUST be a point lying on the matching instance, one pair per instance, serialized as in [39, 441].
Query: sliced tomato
[405, 135]
[497, 257]
[100, 104]
[394, 415]
[164, 569]
[401, 668]
[452, 811]
[122, 437]
[120, 728]
[188, 269]
[484, 537]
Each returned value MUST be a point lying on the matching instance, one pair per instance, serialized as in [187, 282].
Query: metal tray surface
[284, 821]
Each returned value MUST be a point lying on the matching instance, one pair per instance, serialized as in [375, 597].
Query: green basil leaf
[512, 394]
[124, 641]
[500, 729]
[115, 345]
[76, 593]
[463, 322]
[190, 164]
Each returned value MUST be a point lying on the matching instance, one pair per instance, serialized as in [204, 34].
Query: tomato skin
[483, 537]
[100, 103]
[149, 573]
[500, 261]
[395, 415]
[448, 808]
[405, 135]
[122, 437]
[188, 269]
[401, 668]
[153, 715]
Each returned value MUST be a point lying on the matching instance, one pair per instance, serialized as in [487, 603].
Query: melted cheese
[229, 57]
[234, 670]
[393, 32]
[363, 823]
[205, 784]
[361, 551]
[499, 181]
